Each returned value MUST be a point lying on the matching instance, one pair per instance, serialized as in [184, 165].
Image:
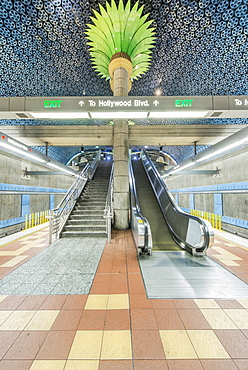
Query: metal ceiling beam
[73, 135]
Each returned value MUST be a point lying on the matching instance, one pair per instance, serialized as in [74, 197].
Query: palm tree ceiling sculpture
[120, 32]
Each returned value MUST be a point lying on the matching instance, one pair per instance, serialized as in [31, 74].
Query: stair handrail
[108, 210]
[59, 215]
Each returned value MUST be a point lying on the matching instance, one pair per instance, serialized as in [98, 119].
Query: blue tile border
[218, 187]
[14, 187]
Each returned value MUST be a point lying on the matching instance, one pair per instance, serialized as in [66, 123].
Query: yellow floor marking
[116, 345]
[17, 320]
[14, 261]
[48, 365]
[177, 344]
[86, 345]
[96, 302]
[206, 303]
[206, 344]
[239, 316]
[118, 302]
[42, 320]
[82, 365]
[218, 319]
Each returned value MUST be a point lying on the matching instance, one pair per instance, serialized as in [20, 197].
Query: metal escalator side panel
[189, 232]
[139, 224]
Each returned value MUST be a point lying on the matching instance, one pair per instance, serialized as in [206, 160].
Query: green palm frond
[120, 29]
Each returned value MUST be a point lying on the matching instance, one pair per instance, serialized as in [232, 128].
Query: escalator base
[178, 275]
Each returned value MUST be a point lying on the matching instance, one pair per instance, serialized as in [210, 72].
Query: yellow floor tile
[218, 319]
[82, 365]
[206, 344]
[96, 302]
[86, 345]
[2, 297]
[206, 303]
[48, 365]
[42, 320]
[116, 345]
[118, 302]
[8, 253]
[177, 345]
[243, 302]
[17, 320]
[4, 315]
[239, 317]
[14, 261]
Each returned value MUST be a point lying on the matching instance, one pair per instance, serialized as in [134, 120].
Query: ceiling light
[122, 115]
[22, 152]
[228, 147]
[178, 114]
[59, 115]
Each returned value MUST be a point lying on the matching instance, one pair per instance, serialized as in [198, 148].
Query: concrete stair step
[81, 221]
[78, 234]
[85, 228]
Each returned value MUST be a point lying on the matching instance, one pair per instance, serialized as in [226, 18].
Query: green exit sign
[52, 103]
[183, 103]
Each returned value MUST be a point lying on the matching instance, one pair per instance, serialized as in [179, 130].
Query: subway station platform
[55, 315]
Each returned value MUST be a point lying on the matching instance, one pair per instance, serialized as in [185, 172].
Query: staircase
[86, 219]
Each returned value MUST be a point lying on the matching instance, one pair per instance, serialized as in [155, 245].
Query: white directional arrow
[156, 102]
[81, 103]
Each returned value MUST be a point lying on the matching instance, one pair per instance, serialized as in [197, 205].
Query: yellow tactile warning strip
[116, 326]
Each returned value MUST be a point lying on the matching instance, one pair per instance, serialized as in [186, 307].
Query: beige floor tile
[226, 261]
[118, 302]
[48, 365]
[116, 345]
[226, 253]
[206, 344]
[82, 365]
[238, 316]
[86, 345]
[14, 261]
[2, 297]
[243, 302]
[42, 320]
[177, 344]
[23, 249]
[4, 315]
[8, 253]
[206, 303]
[96, 302]
[231, 245]
[17, 320]
[218, 319]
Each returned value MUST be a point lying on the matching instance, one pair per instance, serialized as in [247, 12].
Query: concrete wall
[11, 172]
[233, 169]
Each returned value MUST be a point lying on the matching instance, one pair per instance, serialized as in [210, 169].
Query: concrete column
[121, 146]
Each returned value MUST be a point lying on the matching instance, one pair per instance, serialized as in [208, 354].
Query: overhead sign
[102, 104]
[66, 107]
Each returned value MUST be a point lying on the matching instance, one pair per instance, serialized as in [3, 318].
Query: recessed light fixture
[178, 114]
[57, 115]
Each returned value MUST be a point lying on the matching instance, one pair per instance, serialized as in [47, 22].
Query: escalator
[149, 207]
[166, 227]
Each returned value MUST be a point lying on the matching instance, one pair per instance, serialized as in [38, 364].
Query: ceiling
[201, 49]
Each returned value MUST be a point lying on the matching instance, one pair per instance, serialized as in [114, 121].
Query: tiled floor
[115, 326]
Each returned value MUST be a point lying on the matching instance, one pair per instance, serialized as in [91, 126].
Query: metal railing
[60, 215]
[34, 219]
[108, 211]
[139, 224]
[215, 220]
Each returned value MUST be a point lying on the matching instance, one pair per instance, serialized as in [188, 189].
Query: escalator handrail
[206, 227]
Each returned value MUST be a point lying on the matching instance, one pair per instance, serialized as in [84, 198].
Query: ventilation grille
[216, 114]
[22, 115]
